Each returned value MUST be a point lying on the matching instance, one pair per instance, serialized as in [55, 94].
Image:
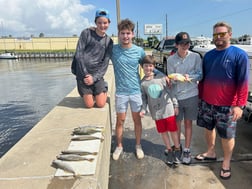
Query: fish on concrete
[73, 157]
[87, 130]
[58, 164]
[86, 137]
[78, 152]
[178, 77]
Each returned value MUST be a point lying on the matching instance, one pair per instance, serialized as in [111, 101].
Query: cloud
[51, 17]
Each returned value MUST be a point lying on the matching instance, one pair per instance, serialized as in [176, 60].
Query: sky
[61, 18]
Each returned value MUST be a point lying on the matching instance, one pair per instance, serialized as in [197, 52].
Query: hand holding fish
[187, 77]
[179, 77]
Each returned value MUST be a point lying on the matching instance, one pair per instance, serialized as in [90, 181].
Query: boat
[202, 49]
[8, 55]
[245, 40]
[203, 44]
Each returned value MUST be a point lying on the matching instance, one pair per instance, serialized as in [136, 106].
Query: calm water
[29, 90]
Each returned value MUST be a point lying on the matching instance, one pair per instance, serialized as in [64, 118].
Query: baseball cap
[182, 37]
[102, 13]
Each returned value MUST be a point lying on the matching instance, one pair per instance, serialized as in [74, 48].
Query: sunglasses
[221, 34]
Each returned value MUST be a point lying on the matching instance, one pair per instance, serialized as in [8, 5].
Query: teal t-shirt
[126, 63]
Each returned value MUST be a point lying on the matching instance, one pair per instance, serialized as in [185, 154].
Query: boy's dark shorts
[98, 87]
[218, 117]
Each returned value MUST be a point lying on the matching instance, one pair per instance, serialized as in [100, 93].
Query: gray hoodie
[191, 65]
[92, 54]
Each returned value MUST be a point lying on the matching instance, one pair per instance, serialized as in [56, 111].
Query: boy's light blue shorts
[122, 102]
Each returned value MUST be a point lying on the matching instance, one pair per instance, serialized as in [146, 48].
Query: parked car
[162, 51]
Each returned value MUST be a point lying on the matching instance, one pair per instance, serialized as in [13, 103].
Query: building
[40, 43]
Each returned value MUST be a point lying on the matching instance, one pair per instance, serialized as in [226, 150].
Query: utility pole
[166, 27]
[137, 34]
[118, 10]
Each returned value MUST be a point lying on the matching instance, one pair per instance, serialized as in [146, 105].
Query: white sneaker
[187, 157]
[139, 152]
[118, 151]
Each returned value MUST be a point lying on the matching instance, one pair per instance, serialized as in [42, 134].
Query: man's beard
[220, 45]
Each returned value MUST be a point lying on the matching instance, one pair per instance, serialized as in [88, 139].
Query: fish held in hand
[73, 157]
[178, 77]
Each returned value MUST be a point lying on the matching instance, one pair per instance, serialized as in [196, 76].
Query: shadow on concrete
[75, 102]
[154, 148]
[57, 183]
[72, 102]
[151, 172]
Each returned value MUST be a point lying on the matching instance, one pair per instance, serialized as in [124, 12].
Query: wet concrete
[152, 172]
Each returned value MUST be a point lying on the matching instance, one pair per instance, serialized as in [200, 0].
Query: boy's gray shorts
[188, 109]
[98, 87]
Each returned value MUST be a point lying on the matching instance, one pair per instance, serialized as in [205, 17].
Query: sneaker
[139, 152]
[173, 147]
[186, 157]
[118, 151]
[169, 157]
[177, 156]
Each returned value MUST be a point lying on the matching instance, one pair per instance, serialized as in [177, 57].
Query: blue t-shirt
[226, 74]
[126, 69]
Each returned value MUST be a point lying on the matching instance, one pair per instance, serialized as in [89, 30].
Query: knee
[89, 104]
[120, 121]
[100, 102]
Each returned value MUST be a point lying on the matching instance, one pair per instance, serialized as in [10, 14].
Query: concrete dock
[27, 165]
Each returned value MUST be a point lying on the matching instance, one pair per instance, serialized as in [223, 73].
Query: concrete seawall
[27, 165]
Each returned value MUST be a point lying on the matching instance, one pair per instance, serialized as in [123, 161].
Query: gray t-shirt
[158, 97]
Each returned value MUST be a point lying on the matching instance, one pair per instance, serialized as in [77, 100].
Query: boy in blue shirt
[126, 58]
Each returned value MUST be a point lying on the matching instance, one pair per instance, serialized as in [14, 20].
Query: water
[29, 90]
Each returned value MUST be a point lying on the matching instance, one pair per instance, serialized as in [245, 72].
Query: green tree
[41, 35]
[138, 41]
[152, 41]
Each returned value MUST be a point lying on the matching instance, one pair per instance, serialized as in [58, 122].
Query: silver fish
[73, 157]
[86, 130]
[85, 137]
[63, 165]
[79, 152]
[91, 127]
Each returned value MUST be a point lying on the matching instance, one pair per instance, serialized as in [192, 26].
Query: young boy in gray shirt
[162, 106]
